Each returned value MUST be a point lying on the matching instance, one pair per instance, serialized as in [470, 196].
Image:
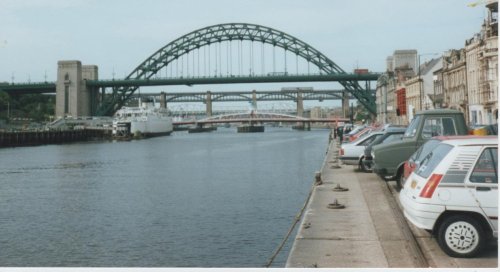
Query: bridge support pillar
[300, 104]
[90, 72]
[163, 100]
[103, 93]
[73, 97]
[345, 104]
[208, 103]
[94, 100]
[254, 100]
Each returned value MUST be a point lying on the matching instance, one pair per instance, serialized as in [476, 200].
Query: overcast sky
[117, 35]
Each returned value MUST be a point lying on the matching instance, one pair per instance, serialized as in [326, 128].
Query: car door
[483, 184]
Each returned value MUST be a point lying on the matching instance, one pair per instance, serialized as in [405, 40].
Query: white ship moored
[144, 121]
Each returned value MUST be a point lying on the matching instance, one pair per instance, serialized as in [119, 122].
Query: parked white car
[351, 153]
[454, 194]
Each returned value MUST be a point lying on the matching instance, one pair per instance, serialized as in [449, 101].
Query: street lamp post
[419, 84]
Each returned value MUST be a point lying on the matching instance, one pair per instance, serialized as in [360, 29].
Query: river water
[219, 199]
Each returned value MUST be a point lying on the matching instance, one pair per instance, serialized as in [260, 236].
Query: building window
[66, 99]
[474, 117]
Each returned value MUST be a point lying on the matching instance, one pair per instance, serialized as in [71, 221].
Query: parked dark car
[389, 158]
[391, 134]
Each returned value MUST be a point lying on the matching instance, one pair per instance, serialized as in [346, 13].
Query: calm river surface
[219, 199]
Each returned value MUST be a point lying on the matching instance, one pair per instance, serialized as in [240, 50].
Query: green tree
[38, 107]
[361, 113]
[4, 104]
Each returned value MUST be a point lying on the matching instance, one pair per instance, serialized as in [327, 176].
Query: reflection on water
[218, 199]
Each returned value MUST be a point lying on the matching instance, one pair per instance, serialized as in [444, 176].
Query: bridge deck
[261, 120]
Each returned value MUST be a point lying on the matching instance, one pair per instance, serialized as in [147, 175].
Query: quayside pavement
[370, 231]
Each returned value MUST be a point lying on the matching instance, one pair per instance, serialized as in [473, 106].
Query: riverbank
[368, 232]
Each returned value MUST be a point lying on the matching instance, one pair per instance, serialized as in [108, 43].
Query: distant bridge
[14, 89]
[256, 118]
[249, 96]
[298, 96]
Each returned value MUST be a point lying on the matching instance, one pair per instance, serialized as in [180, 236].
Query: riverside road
[370, 231]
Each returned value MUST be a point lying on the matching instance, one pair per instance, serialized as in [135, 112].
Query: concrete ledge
[366, 233]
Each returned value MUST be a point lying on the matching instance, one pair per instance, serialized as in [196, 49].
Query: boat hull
[152, 126]
[250, 129]
[201, 129]
[141, 123]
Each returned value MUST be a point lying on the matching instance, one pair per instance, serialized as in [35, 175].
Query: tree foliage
[4, 99]
[362, 114]
[37, 107]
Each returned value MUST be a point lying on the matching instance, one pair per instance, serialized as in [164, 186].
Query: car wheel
[461, 236]
[363, 166]
[360, 164]
[399, 178]
[401, 181]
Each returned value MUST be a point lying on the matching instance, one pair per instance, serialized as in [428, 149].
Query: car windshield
[369, 139]
[431, 161]
[435, 126]
[363, 134]
[356, 130]
[412, 128]
[392, 138]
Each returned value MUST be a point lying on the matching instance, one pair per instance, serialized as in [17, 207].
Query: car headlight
[373, 155]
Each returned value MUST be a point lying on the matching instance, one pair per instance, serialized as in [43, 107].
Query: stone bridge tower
[73, 98]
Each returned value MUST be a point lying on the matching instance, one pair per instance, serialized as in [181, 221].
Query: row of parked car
[448, 178]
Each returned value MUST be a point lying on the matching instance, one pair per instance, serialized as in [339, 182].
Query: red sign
[401, 99]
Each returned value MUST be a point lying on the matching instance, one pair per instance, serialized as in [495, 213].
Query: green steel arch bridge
[215, 55]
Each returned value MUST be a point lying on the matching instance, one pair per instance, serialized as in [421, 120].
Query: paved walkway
[369, 232]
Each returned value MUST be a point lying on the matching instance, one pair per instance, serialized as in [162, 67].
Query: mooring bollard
[335, 161]
[335, 205]
[317, 178]
[339, 188]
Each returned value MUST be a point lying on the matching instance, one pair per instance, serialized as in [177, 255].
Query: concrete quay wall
[369, 232]
[30, 138]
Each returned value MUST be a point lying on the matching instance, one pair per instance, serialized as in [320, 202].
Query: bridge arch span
[250, 115]
[223, 96]
[227, 32]
[263, 98]
[196, 98]
[335, 95]
[230, 32]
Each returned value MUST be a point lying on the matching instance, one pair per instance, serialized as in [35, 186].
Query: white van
[454, 194]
